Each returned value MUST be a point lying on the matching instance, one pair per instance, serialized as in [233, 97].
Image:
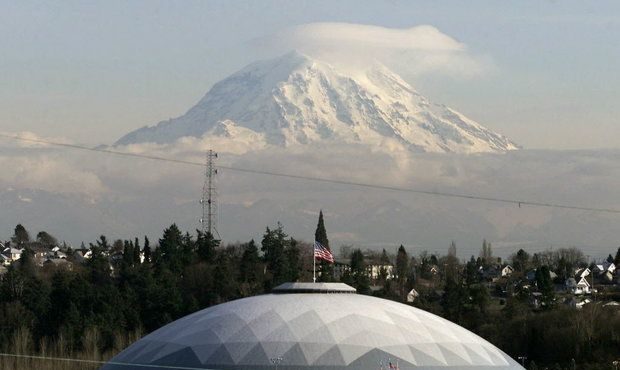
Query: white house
[606, 271]
[13, 254]
[582, 272]
[412, 295]
[374, 270]
[578, 287]
[507, 270]
[605, 267]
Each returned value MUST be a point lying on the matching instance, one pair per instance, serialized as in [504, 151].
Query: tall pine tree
[320, 235]
[147, 250]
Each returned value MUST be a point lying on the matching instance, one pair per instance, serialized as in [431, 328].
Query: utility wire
[97, 362]
[324, 179]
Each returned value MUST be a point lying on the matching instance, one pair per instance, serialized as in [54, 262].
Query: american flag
[323, 253]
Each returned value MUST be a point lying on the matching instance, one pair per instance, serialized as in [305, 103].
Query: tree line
[130, 287]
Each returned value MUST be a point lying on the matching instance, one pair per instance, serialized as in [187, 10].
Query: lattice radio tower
[209, 195]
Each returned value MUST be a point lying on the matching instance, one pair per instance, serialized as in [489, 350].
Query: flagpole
[313, 264]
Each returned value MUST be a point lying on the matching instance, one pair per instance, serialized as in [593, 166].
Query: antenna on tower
[209, 194]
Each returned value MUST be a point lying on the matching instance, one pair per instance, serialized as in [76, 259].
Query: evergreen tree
[471, 272]
[26, 262]
[101, 245]
[320, 235]
[136, 252]
[147, 250]
[225, 286]
[46, 239]
[521, 261]
[127, 254]
[206, 246]
[402, 269]
[610, 258]
[169, 253]
[188, 250]
[545, 284]
[454, 300]
[250, 261]
[273, 247]
[21, 235]
[617, 259]
[359, 275]
[452, 262]
[293, 256]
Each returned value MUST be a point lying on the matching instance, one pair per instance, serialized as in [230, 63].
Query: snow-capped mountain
[294, 99]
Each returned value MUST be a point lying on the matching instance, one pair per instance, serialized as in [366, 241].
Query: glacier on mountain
[295, 99]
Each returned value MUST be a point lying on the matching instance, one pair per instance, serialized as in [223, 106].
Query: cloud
[143, 196]
[29, 164]
[337, 35]
[414, 51]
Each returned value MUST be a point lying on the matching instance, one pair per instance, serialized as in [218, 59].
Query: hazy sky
[92, 71]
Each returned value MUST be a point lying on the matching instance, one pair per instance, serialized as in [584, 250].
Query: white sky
[95, 71]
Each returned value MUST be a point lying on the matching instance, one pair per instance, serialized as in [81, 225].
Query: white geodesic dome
[311, 330]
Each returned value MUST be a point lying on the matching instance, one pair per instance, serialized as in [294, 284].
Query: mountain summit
[294, 99]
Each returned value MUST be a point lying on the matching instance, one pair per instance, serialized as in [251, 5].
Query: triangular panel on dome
[256, 356]
[364, 338]
[182, 358]
[345, 327]
[400, 351]
[282, 333]
[440, 334]
[204, 351]
[147, 354]
[295, 356]
[264, 324]
[166, 350]
[244, 334]
[319, 335]
[276, 349]
[455, 353]
[478, 355]
[427, 354]
[312, 351]
[351, 352]
[220, 356]
[375, 357]
[333, 357]
[223, 326]
[240, 349]
[497, 356]
[305, 323]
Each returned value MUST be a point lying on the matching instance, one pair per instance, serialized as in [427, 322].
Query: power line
[97, 362]
[517, 202]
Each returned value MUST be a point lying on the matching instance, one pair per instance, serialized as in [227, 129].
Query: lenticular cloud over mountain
[297, 100]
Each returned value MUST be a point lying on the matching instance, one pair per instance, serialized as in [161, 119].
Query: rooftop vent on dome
[320, 288]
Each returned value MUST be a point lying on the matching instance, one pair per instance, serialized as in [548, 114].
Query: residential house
[507, 270]
[412, 295]
[578, 285]
[12, 254]
[605, 271]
